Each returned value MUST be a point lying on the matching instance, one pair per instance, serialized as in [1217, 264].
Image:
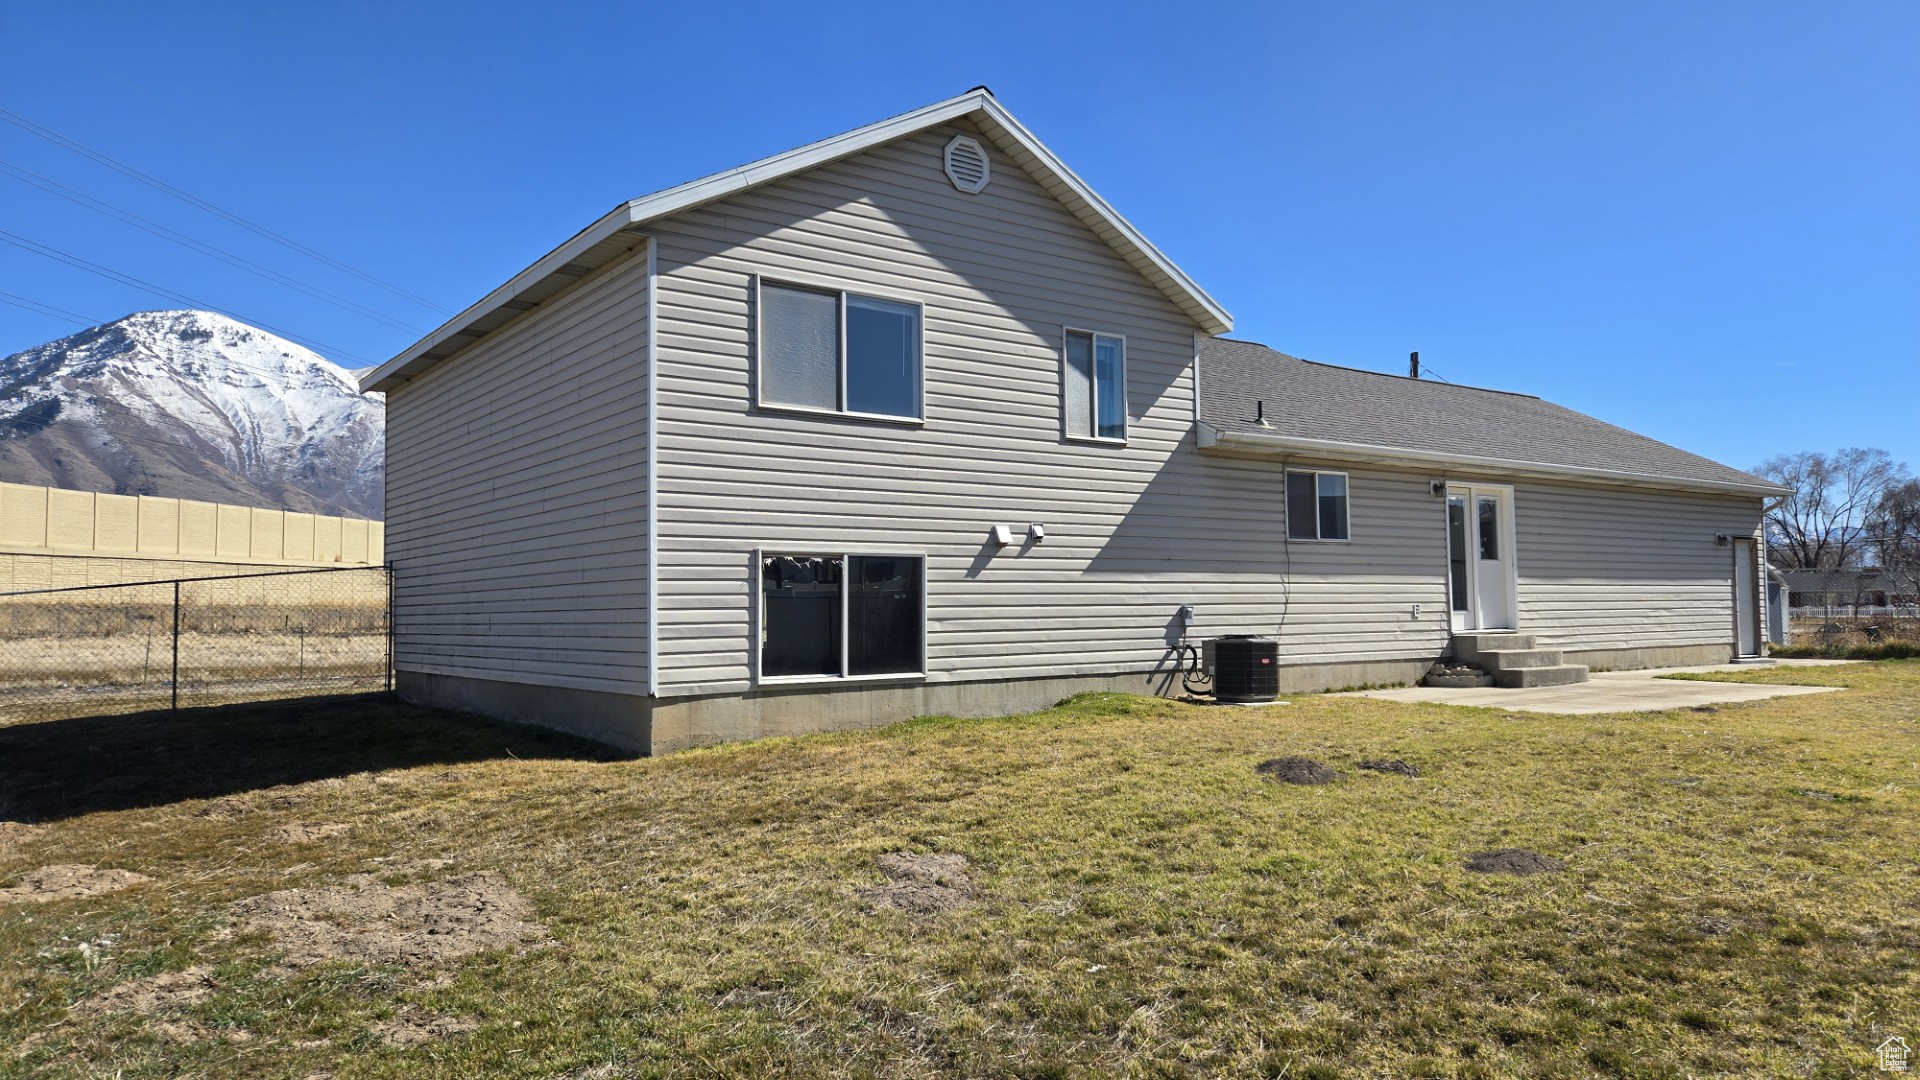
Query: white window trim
[1287, 500]
[1093, 401]
[757, 614]
[801, 281]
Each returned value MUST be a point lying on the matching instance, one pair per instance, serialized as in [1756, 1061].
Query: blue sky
[1699, 220]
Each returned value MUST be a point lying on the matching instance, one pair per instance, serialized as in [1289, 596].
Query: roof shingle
[1302, 399]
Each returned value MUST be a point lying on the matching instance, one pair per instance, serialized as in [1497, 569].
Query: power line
[159, 185]
[45, 309]
[181, 298]
[101, 206]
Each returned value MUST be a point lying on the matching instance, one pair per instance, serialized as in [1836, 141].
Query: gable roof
[1342, 413]
[615, 233]
[1839, 580]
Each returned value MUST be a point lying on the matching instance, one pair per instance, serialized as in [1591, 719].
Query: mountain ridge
[193, 404]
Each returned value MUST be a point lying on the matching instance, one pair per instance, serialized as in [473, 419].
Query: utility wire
[159, 185]
[127, 279]
[101, 206]
[45, 309]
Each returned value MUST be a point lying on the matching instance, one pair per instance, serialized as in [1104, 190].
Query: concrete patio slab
[1612, 691]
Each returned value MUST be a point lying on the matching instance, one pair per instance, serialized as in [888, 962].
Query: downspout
[653, 467]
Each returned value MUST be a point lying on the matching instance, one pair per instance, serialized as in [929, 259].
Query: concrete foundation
[644, 726]
[1665, 656]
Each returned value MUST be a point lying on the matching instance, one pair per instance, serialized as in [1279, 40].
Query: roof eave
[1262, 443]
[1027, 150]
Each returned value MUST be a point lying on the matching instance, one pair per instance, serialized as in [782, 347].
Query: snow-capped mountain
[192, 405]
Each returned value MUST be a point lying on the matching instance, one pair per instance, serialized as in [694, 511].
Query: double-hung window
[1316, 505]
[838, 352]
[1095, 386]
[842, 616]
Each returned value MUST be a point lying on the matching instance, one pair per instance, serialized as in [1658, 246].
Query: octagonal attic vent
[967, 164]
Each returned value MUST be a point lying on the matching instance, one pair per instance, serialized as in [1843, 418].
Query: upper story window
[1316, 505]
[1095, 386]
[838, 352]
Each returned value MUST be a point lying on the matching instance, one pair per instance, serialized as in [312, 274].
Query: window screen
[799, 347]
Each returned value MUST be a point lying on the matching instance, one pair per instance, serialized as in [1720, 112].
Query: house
[1849, 590]
[911, 421]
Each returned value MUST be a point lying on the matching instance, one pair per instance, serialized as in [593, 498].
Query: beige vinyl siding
[1615, 568]
[516, 485]
[999, 273]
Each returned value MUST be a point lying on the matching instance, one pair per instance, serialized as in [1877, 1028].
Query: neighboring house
[1865, 590]
[910, 421]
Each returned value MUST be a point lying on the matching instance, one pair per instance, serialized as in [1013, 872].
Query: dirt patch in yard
[1513, 861]
[413, 1026]
[301, 832]
[922, 884]
[13, 835]
[168, 990]
[1296, 770]
[68, 881]
[368, 922]
[1389, 765]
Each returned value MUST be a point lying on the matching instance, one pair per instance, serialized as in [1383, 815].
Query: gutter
[1251, 442]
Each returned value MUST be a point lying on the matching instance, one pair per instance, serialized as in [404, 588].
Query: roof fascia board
[674, 200]
[1387, 455]
[1212, 318]
[553, 260]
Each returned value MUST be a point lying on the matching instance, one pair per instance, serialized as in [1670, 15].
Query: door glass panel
[1489, 528]
[1457, 549]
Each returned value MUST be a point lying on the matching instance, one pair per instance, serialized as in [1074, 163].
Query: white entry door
[1480, 563]
[1746, 599]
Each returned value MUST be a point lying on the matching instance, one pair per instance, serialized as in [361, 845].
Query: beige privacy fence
[55, 521]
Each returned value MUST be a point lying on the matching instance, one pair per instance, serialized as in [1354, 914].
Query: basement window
[1316, 505]
[1094, 386]
[825, 350]
[842, 616]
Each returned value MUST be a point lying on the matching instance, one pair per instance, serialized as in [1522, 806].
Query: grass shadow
[55, 769]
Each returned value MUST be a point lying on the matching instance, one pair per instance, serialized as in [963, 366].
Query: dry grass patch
[1141, 901]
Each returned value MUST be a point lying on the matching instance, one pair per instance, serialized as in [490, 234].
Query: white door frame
[1473, 618]
[1747, 622]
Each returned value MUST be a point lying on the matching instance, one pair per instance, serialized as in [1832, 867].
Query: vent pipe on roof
[1413, 362]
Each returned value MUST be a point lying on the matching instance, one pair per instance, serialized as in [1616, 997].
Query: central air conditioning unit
[1246, 669]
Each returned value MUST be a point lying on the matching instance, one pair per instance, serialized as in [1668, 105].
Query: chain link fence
[102, 649]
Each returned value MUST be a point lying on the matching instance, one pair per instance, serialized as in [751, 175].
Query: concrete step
[1502, 659]
[1558, 675]
[1468, 647]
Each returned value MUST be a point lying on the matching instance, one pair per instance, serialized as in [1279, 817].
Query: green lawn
[1741, 894]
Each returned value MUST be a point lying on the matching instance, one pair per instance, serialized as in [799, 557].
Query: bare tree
[1820, 524]
[1893, 527]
